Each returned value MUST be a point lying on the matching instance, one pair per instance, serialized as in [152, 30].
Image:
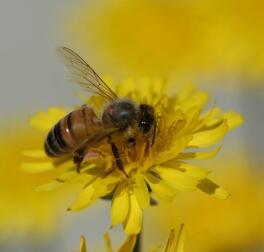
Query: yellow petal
[209, 137]
[181, 240]
[84, 199]
[213, 189]
[96, 188]
[199, 155]
[207, 117]
[200, 99]
[105, 186]
[133, 222]
[233, 119]
[191, 116]
[129, 244]
[193, 171]
[48, 187]
[188, 169]
[177, 146]
[141, 191]
[162, 190]
[212, 123]
[71, 176]
[177, 179]
[108, 244]
[120, 204]
[171, 243]
[82, 244]
[174, 243]
[37, 167]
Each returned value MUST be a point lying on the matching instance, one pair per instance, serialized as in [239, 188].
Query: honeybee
[82, 129]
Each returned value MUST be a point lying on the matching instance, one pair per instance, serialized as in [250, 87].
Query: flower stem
[138, 245]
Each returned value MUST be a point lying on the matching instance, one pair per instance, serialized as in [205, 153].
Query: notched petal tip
[233, 119]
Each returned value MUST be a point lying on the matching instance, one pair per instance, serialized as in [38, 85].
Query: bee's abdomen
[70, 131]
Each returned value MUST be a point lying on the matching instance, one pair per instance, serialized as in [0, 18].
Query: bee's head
[146, 118]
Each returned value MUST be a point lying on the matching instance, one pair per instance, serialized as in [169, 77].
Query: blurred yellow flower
[174, 38]
[22, 210]
[175, 243]
[82, 244]
[159, 168]
[127, 246]
[236, 224]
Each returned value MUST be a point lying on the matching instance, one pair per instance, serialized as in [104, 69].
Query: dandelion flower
[162, 169]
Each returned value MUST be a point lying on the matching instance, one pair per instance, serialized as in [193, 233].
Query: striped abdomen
[71, 130]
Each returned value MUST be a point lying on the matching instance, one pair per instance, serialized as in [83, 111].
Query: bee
[80, 130]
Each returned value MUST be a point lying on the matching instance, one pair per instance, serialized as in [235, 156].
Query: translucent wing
[83, 74]
[96, 138]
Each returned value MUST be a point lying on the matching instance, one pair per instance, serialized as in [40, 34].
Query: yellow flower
[181, 38]
[22, 210]
[127, 246]
[174, 243]
[160, 168]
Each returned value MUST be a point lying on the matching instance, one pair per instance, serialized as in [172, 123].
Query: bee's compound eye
[145, 126]
[146, 118]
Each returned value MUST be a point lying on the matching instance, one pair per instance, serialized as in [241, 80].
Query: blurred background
[216, 44]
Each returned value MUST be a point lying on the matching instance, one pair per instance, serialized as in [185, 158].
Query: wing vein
[84, 75]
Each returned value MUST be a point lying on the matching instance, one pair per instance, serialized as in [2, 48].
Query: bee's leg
[83, 148]
[116, 154]
[78, 158]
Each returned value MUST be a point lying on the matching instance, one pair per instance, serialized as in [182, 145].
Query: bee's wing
[96, 138]
[83, 74]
